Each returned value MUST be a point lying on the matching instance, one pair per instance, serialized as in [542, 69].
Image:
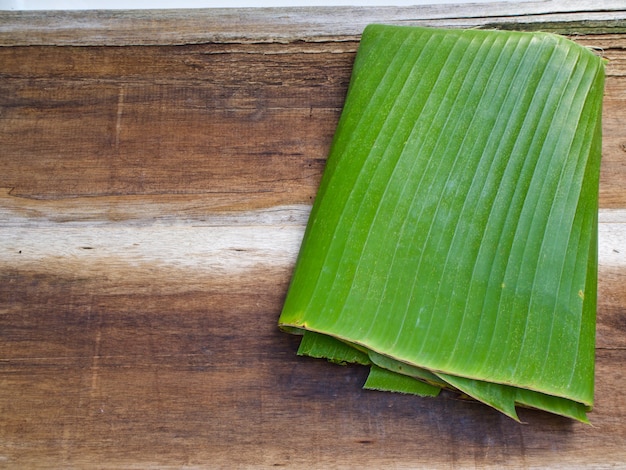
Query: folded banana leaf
[453, 240]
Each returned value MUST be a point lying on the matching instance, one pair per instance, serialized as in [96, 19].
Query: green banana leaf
[453, 240]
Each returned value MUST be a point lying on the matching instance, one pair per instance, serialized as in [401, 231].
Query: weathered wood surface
[152, 201]
[286, 25]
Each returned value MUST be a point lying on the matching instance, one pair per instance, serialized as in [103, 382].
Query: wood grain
[286, 25]
[152, 202]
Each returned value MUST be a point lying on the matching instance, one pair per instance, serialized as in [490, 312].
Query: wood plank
[179, 379]
[286, 25]
[152, 202]
[254, 107]
[238, 120]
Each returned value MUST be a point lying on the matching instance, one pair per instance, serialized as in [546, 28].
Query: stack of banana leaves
[453, 240]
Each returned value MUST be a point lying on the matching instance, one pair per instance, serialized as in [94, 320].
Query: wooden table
[156, 174]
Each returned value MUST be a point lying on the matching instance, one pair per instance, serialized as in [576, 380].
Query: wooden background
[156, 173]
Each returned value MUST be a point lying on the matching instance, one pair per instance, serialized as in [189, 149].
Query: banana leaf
[453, 239]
